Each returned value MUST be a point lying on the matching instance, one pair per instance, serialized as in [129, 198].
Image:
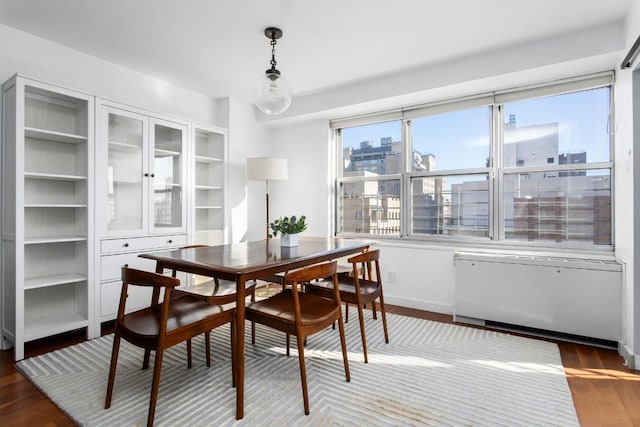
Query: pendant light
[273, 95]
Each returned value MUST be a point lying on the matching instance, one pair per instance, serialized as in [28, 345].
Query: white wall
[305, 193]
[246, 199]
[41, 59]
[627, 189]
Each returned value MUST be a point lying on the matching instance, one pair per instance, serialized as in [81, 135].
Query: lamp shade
[267, 169]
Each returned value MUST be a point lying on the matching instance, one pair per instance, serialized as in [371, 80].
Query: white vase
[289, 240]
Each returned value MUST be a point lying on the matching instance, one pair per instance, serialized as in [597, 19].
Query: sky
[461, 139]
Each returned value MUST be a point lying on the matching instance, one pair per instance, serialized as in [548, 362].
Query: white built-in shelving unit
[47, 211]
[160, 183]
[209, 177]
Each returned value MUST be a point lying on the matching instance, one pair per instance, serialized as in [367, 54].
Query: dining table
[245, 261]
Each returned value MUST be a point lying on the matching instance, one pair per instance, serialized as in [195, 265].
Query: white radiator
[568, 295]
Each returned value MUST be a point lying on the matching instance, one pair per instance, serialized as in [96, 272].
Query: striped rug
[430, 373]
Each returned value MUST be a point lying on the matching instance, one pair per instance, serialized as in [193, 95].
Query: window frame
[495, 170]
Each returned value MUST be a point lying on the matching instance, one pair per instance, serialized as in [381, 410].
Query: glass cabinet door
[167, 202]
[125, 184]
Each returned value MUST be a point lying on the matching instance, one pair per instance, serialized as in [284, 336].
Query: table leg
[240, 302]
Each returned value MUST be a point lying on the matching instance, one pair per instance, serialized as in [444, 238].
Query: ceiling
[218, 47]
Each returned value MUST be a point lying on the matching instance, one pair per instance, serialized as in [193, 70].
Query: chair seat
[280, 307]
[346, 285]
[183, 311]
[210, 289]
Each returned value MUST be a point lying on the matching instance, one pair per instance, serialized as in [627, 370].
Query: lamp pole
[267, 169]
[267, 203]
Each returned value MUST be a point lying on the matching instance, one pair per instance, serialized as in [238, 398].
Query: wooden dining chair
[166, 322]
[214, 291]
[301, 314]
[360, 288]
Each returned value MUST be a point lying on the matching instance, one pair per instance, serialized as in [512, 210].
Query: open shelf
[52, 205]
[53, 176]
[54, 324]
[50, 135]
[51, 239]
[58, 279]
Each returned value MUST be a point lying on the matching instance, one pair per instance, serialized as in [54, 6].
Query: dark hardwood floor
[605, 392]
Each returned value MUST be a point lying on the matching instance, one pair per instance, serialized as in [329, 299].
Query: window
[371, 159]
[530, 165]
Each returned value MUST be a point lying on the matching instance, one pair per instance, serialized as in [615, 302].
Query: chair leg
[288, 342]
[145, 360]
[234, 349]
[362, 333]
[253, 324]
[373, 309]
[189, 353]
[303, 374]
[343, 343]
[384, 319]
[112, 370]
[207, 347]
[155, 385]
[346, 312]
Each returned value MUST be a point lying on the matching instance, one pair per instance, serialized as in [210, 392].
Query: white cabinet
[141, 172]
[141, 192]
[47, 212]
[209, 178]
[118, 253]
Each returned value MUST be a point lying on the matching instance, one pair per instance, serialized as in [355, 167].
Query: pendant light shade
[273, 93]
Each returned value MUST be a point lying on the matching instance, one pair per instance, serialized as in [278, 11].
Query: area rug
[430, 373]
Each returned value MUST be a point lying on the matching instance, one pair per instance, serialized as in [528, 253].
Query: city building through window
[527, 165]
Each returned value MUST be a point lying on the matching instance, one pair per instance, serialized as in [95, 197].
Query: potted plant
[288, 227]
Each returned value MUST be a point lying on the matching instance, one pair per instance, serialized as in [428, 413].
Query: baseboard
[469, 320]
[539, 333]
[419, 305]
[631, 361]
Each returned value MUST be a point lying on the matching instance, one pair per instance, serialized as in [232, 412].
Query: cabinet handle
[153, 175]
[170, 241]
[126, 265]
[146, 175]
[126, 245]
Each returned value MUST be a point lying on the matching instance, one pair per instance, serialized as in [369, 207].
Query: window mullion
[497, 187]
[405, 191]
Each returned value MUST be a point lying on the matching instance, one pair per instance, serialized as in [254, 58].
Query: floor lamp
[267, 169]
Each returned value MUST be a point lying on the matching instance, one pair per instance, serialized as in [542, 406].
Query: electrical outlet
[391, 276]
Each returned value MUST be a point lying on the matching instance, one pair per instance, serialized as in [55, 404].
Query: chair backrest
[367, 259]
[313, 272]
[159, 282]
[305, 275]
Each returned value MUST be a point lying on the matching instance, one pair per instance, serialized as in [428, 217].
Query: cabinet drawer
[110, 298]
[142, 243]
[111, 265]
